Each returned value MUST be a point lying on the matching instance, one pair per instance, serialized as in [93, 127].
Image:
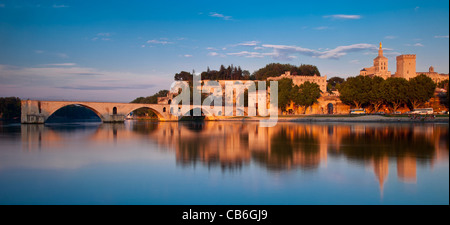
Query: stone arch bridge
[34, 111]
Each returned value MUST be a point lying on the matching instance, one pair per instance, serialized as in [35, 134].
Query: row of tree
[276, 69]
[394, 92]
[304, 95]
[236, 73]
[10, 108]
[229, 73]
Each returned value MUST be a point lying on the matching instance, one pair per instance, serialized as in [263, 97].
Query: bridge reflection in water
[233, 145]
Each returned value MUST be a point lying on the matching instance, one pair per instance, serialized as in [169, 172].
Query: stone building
[379, 68]
[298, 80]
[436, 77]
[406, 68]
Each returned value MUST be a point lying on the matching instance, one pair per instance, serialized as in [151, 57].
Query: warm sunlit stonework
[406, 68]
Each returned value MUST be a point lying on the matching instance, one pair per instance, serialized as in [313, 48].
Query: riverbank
[348, 119]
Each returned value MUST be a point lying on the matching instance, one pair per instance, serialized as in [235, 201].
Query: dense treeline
[236, 73]
[151, 99]
[277, 69]
[10, 108]
[229, 73]
[364, 91]
[304, 95]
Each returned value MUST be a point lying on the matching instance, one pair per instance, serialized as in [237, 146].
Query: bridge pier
[113, 118]
[31, 112]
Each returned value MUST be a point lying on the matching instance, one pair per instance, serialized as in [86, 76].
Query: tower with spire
[380, 66]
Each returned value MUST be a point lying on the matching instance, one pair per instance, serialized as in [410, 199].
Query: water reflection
[285, 147]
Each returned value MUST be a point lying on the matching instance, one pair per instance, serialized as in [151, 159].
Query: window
[115, 111]
[164, 109]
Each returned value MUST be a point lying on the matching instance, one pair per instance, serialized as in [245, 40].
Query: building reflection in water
[287, 146]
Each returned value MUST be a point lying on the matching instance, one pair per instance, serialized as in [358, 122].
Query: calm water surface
[142, 162]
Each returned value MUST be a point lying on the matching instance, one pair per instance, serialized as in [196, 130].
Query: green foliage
[395, 91]
[10, 108]
[183, 76]
[443, 84]
[377, 95]
[285, 92]
[363, 91]
[229, 73]
[277, 69]
[148, 100]
[306, 94]
[356, 91]
[151, 99]
[333, 82]
[421, 89]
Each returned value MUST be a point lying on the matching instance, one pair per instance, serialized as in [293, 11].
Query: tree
[183, 76]
[229, 73]
[333, 82]
[443, 84]
[377, 95]
[10, 108]
[356, 91]
[306, 94]
[421, 89]
[308, 70]
[395, 92]
[277, 69]
[285, 93]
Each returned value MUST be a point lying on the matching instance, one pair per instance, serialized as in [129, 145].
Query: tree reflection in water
[287, 146]
[291, 146]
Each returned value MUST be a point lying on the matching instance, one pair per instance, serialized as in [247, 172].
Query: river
[228, 162]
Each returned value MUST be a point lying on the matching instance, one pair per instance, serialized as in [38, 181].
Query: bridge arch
[207, 113]
[158, 114]
[53, 111]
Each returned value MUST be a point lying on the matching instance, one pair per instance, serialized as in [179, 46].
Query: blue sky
[120, 50]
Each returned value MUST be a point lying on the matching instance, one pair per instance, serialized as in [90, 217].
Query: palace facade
[406, 68]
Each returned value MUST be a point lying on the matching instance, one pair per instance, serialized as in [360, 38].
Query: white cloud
[61, 64]
[248, 43]
[38, 51]
[211, 48]
[213, 54]
[443, 36]
[52, 80]
[218, 15]
[355, 61]
[159, 42]
[102, 36]
[342, 16]
[248, 54]
[258, 48]
[417, 8]
[418, 45]
[187, 56]
[285, 52]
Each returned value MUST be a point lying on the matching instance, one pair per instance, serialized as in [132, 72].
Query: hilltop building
[406, 68]
[379, 68]
[299, 80]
